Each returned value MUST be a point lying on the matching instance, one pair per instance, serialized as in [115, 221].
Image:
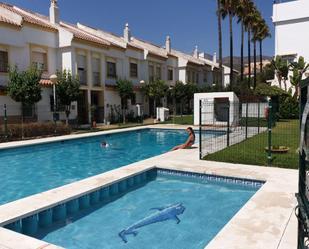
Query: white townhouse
[291, 21]
[98, 57]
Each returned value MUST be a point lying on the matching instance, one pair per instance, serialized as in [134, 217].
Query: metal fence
[302, 210]
[248, 133]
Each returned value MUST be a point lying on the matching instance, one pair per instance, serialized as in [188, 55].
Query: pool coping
[276, 197]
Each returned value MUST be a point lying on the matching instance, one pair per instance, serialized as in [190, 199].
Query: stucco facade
[291, 20]
[98, 57]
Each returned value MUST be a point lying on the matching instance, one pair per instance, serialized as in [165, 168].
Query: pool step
[60, 213]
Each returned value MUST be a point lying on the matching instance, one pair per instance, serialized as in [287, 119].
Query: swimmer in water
[104, 144]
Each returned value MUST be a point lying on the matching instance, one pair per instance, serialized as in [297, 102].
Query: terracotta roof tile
[112, 38]
[45, 82]
[152, 48]
[81, 34]
[29, 16]
[9, 20]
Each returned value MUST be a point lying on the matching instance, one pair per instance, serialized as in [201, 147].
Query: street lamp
[53, 78]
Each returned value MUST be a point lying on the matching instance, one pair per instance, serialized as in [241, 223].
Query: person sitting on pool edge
[190, 141]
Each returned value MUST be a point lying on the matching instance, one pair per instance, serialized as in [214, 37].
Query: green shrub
[32, 130]
[288, 107]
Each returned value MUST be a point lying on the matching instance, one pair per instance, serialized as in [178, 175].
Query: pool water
[33, 169]
[208, 207]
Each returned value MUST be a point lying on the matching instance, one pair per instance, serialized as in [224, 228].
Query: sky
[188, 23]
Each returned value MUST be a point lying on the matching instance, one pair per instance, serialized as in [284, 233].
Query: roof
[16, 16]
[26, 15]
[83, 35]
[46, 82]
[188, 57]
[110, 37]
[152, 48]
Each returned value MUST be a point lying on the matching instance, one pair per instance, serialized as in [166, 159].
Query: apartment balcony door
[82, 108]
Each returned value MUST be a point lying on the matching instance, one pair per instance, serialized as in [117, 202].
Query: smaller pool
[170, 209]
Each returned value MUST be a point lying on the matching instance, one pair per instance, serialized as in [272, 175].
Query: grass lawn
[181, 120]
[252, 151]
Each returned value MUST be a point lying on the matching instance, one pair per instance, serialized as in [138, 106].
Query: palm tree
[241, 14]
[220, 42]
[228, 8]
[248, 20]
[257, 23]
[299, 68]
[263, 34]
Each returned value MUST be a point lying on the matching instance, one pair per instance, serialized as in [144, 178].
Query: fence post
[5, 123]
[228, 124]
[246, 119]
[259, 117]
[269, 157]
[200, 128]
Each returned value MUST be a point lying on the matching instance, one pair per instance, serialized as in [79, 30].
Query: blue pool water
[33, 169]
[208, 206]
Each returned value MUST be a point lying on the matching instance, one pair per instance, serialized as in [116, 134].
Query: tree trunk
[231, 51]
[242, 53]
[254, 56]
[155, 108]
[67, 114]
[279, 79]
[175, 107]
[249, 59]
[123, 115]
[220, 45]
[22, 120]
[261, 57]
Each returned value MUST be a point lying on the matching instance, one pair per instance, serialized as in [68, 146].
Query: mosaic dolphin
[163, 214]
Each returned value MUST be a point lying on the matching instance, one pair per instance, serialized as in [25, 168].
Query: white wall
[44, 109]
[291, 20]
[253, 110]
[208, 107]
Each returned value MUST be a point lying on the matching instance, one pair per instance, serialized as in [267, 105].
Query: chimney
[127, 33]
[195, 53]
[214, 58]
[168, 46]
[54, 12]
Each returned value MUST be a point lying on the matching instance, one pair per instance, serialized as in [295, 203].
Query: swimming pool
[173, 210]
[32, 169]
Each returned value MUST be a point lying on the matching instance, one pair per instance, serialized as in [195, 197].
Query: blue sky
[189, 23]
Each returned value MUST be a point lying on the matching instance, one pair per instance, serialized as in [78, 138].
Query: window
[96, 75]
[289, 58]
[188, 76]
[133, 99]
[82, 69]
[151, 73]
[111, 69]
[205, 77]
[4, 61]
[170, 74]
[133, 70]
[196, 78]
[158, 72]
[39, 60]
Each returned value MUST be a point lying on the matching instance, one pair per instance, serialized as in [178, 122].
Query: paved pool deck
[266, 221]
